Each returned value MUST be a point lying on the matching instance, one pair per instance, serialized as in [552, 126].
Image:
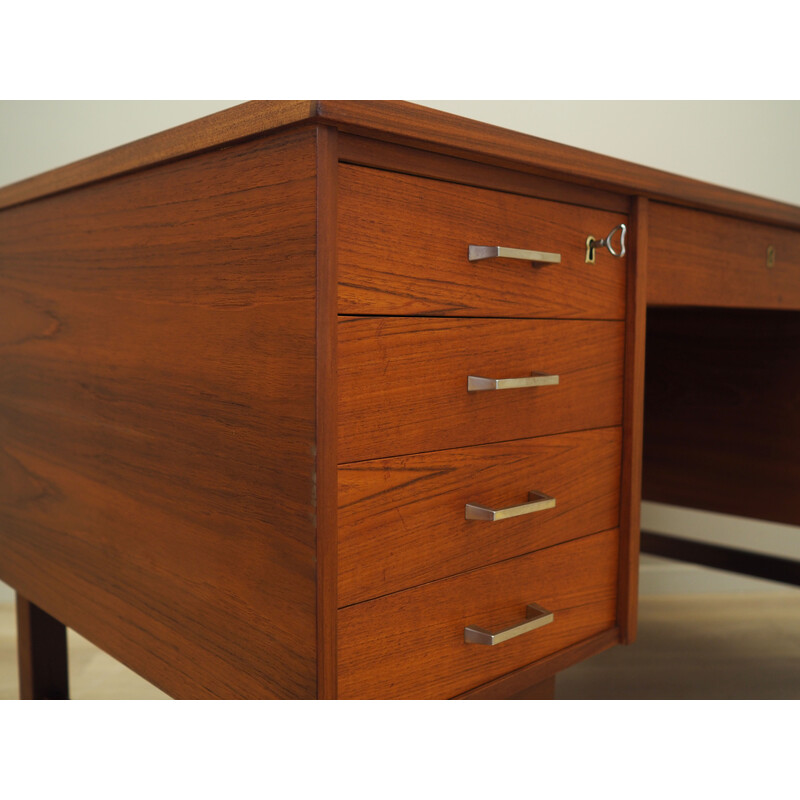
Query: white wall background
[746, 145]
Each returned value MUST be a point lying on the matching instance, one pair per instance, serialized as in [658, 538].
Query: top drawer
[701, 259]
[404, 242]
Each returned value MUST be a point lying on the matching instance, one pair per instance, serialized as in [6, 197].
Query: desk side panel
[157, 417]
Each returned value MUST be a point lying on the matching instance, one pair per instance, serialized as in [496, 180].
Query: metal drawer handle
[536, 502]
[537, 617]
[478, 384]
[480, 253]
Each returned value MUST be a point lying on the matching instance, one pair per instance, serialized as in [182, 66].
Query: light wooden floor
[695, 647]
[93, 675]
[744, 646]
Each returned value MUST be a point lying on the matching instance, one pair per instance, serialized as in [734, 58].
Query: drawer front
[700, 259]
[403, 382]
[402, 520]
[403, 247]
[411, 644]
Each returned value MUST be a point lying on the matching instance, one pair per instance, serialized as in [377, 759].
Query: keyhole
[771, 256]
[590, 249]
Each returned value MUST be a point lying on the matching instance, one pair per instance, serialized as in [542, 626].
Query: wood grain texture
[157, 417]
[326, 460]
[697, 259]
[404, 241]
[403, 382]
[407, 123]
[507, 686]
[223, 128]
[41, 654]
[415, 161]
[721, 423]
[633, 412]
[411, 125]
[411, 644]
[402, 519]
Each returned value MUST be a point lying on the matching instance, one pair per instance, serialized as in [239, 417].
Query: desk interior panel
[721, 423]
[157, 342]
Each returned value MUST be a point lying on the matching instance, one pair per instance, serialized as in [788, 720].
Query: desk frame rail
[757, 565]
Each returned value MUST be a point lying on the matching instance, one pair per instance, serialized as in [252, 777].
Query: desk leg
[42, 651]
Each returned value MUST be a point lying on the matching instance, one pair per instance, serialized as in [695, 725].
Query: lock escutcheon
[590, 245]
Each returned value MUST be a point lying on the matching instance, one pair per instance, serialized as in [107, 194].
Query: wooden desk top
[408, 123]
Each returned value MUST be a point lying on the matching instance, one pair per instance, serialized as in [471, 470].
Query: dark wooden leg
[42, 651]
[546, 690]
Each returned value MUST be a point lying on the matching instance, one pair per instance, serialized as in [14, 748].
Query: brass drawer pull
[536, 502]
[537, 617]
[480, 253]
[478, 384]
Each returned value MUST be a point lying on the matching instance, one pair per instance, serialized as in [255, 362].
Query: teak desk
[345, 399]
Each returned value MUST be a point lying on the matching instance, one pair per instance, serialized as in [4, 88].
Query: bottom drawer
[410, 644]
